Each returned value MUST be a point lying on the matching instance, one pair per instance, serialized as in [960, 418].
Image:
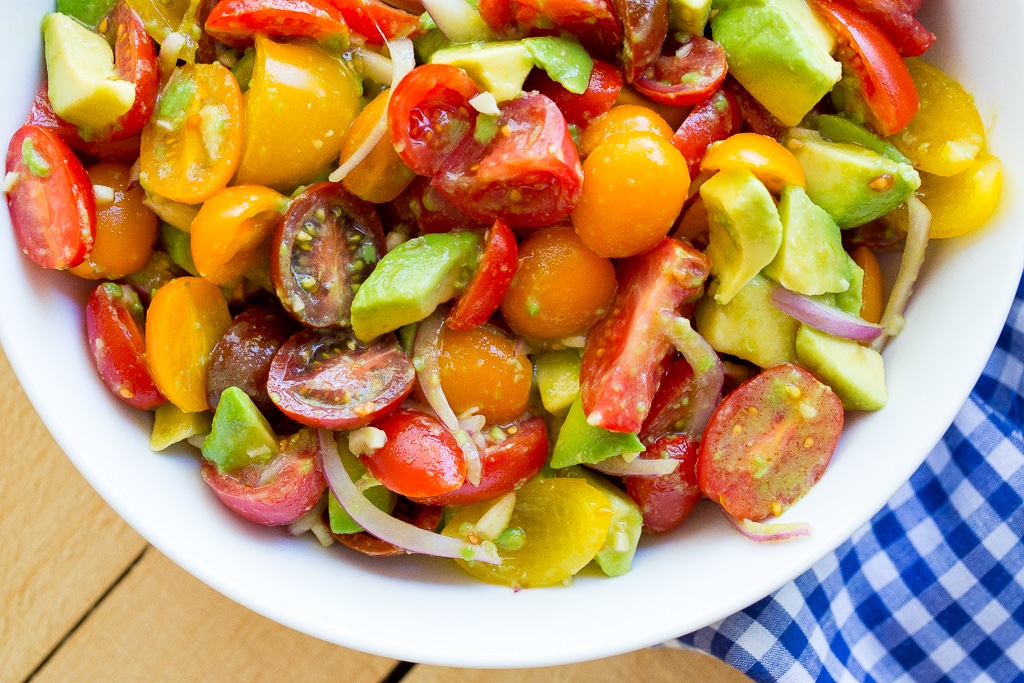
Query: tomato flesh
[483, 294]
[715, 119]
[666, 500]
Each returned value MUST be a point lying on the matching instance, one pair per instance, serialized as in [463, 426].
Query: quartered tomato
[326, 379]
[113, 323]
[433, 212]
[376, 21]
[666, 500]
[580, 109]
[768, 442]
[382, 175]
[716, 118]
[485, 290]
[689, 76]
[135, 61]
[50, 199]
[896, 19]
[420, 457]
[236, 22]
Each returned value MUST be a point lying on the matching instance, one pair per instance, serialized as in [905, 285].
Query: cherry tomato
[185, 320]
[277, 492]
[325, 379]
[622, 118]
[538, 305]
[896, 19]
[645, 26]
[426, 517]
[873, 288]
[485, 290]
[236, 22]
[592, 22]
[621, 364]
[376, 21]
[671, 405]
[113, 323]
[327, 243]
[689, 76]
[192, 144]
[420, 458]
[665, 501]
[434, 212]
[528, 174]
[504, 466]
[429, 114]
[51, 201]
[580, 109]
[382, 175]
[716, 118]
[768, 442]
[963, 202]
[765, 157]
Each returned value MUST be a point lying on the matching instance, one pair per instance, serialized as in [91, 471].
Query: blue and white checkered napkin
[932, 589]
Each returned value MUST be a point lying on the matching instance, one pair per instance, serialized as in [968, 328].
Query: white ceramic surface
[426, 610]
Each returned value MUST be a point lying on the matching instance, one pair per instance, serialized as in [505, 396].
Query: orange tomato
[765, 157]
[480, 368]
[382, 175]
[872, 291]
[622, 118]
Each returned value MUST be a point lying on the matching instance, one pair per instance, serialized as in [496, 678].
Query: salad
[509, 284]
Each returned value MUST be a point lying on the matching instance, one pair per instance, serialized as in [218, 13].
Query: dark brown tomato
[667, 500]
[426, 517]
[328, 241]
[689, 76]
[327, 379]
[645, 26]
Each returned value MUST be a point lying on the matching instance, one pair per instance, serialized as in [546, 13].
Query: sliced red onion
[708, 371]
[918, 232]
[821, 316]
[639, 467]
[772, 532]
[384, 526]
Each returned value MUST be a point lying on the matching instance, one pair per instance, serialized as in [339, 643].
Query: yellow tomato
[765, 157]
[672, 114]
[481, 369]
[622, 118]
[962, 202]
[300, 103]
[382, 175]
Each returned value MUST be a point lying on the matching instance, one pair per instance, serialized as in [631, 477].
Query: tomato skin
[420, 458]
[592, 22]
[768, 442]
[113, 323]
[667, 500]
[376, 21]
[621, 365]
[135, 60]
[482, 296]
[716, 118]
[670, 405]
[688, 77]
[235, 22]
[580, 109]
[53, 213]
[645, 26]
[896, 19]
[505, 466]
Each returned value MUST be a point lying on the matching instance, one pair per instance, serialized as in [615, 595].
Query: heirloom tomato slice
[716, 118]
[376, 21]
[580, 109]
[645, 26]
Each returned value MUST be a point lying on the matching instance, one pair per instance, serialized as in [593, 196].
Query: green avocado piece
[579, 442]
[811, 259]
[853, 183]
[171, 425]
[745, 232]
[240, 435]
[842, 129]
[498, 67]
[780, 51]
[855, 372]
[688, 16]
[564, 60]
[749, 326]
[616, 556]
[340, 521]
[558, 378]
[412, 279]
[179, 247]
[88, 12]
[852, 299]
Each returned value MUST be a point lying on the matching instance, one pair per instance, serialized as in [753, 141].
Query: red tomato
[236, 22]
[645, 26]
[51, 201]
[277, 492]
[485, 290]
[420, 458]
[670, 406]
[429, 114]
[377, 21]
[433, 212]
[426, 517]
[325, 379]
[41, 114]
[580, 109]
[621, 365]
[768, 442]
[667, 500]
[889, 93]
[113, 323]
[896, 19]
[689, 76]
[504, 467]
[716, 118]
[135, 60]
[528, 174]
[592, 22]
[755, 117]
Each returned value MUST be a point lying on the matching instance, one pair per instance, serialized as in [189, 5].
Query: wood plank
[61, 546]
[162, 624]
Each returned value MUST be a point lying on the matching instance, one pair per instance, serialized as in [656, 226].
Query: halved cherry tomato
[755, 117]
[433, 212]
[622, 118]
[504, 466]
[528, 174]
[485, 290]
[667, 500]
[896, 19]
[326, 379]
[768, 442]
[580, 109]
[236, 22]
[230, 232]
[426, 517]
[50, 199]
[689, 76]
[113, 323]
[381, 175]
[161, 17]
[429, 114]
[765, 157]
[592, 22]
[135, 61]
[328, 242]
[621, 365]
[376, 21]
[192, 144]
[482, 369]
[644, 27]
[277, 492]
[716, 118]
[888, 91]
[420, 457]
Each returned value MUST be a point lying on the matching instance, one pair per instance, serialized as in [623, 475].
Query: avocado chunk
[412, 279]
[579, 442]
[565, 61]
[616, 556]
[179, 247]
[780, 51]
[749, 326]
[340, 521]
[745, 232]
[853, 183]
[811, 259]
[558, 379]
[84, 87]
[89, 12]
[842, 129]
[688, 16]
[852, 299]
[240, 435]
[856, 373]
[171, 425]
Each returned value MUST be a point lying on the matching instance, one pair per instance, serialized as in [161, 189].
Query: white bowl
[427, 610]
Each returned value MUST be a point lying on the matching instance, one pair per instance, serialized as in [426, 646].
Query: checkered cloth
[932, 589]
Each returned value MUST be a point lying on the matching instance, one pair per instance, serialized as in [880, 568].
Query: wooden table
[85, 598]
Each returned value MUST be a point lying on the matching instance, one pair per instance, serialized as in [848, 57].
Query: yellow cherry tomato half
[622, 118]
[963, 202]
[765, 157]
[382, 175]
